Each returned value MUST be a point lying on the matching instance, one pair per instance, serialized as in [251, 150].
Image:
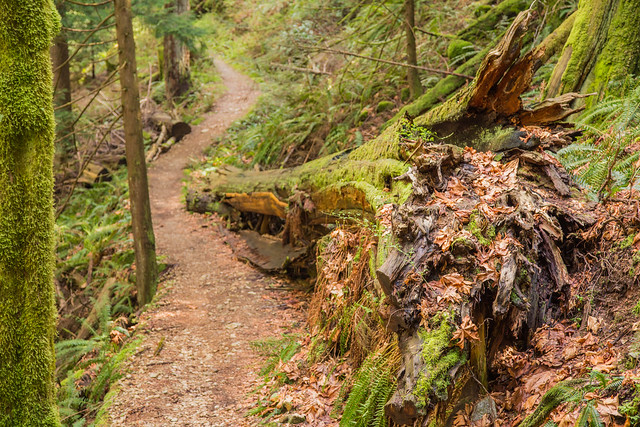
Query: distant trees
[172, 21]
[27, 308]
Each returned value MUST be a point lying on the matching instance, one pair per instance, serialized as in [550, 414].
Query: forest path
[212, 306]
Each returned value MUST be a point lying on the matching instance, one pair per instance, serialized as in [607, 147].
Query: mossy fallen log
[480, 115]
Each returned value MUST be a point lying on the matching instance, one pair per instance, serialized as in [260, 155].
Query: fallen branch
[385, 61]
[300, 69]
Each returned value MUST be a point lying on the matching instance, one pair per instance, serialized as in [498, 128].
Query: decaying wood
[260, 202]
[93, 173]
[154, 150]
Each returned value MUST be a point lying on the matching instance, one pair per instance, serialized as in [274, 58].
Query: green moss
[627, 242]
[384, 106]
[485, 235]
[620, 56]
[457, 47]
[27, 307]
[584, 43]
[438, 358]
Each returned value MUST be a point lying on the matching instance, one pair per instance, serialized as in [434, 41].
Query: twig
[91, 30]
[384, 61]
[77, 3]
[448, 36]
[84, 166]
[160, 363]
[302, 70]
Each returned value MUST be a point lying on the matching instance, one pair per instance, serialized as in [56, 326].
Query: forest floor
[195, 364]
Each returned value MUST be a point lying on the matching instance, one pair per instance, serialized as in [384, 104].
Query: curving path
[211, 308]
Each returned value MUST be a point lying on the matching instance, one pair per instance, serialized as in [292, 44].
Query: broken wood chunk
[260, 202]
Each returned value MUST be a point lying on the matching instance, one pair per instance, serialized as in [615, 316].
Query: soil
[195, 364]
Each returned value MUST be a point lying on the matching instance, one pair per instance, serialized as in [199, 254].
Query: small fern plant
[577, 393]
[373, 385]
[607, 159]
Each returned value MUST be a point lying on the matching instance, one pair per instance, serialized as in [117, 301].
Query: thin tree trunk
[27, 304]
[144, 239]
[62, 91]
[415, 87]
[177, 76]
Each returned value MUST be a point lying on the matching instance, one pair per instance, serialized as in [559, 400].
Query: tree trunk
[415, 87]
[27, 306]
[604, 45]
[62, 93]
[144, 239]
[176, 59]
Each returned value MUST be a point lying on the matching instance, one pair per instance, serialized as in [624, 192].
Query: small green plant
[605, 160]
[577, 393]
[632, 408]
[373, 385]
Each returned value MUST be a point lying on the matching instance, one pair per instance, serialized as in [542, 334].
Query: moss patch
[485, 233]
[438, 359]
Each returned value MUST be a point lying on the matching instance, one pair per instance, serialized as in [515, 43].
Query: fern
[605, 161]
[373, 385]
[574, 391]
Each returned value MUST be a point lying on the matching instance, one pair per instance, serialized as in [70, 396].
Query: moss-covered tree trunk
[27, 306]
[604, 46]
[144, 239]
[177, 77]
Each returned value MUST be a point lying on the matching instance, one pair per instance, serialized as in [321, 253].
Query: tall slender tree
[415, 87]
[62, 85]
[144, 239]
[27, 308]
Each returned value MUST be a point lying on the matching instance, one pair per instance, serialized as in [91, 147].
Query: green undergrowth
[605, 160]
[581, 394]
[277, 351]
[304, 115]
[373, 385]
[94, 252]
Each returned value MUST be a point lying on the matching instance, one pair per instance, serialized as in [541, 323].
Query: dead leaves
[467, 331]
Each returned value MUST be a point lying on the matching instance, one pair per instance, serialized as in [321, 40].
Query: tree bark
[603, 46]
[415, 87]
[144, 239]
[62, 90]
[177, 76]
[27, 305]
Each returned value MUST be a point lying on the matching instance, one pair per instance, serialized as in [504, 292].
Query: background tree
[62, 82]
[415, 87]
[146, 269]
[176, 58]
[174, 23]
[27, 309]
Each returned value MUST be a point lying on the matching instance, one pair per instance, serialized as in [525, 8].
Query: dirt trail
[213, 305]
